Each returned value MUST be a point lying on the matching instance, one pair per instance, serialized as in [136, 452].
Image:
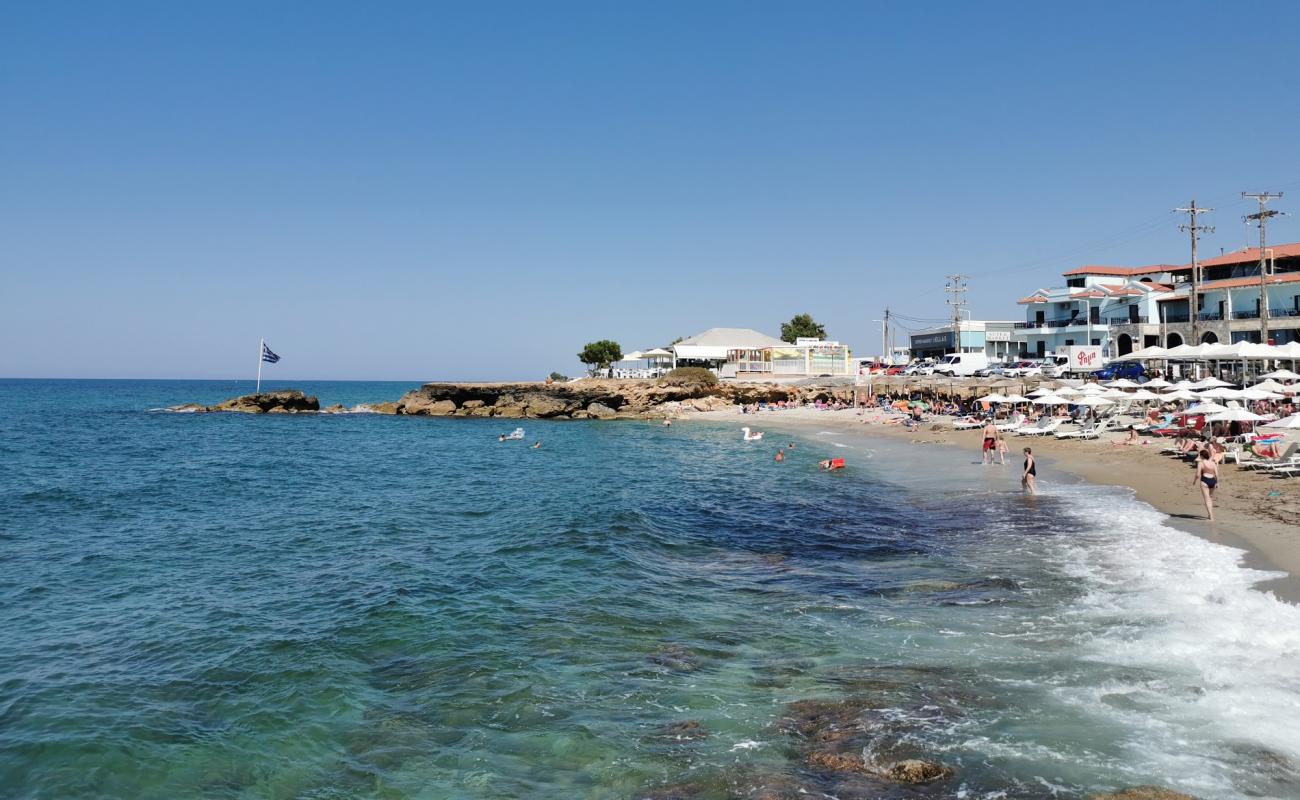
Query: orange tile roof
[1159, 287]
[1033, 298]
[1096, 269]
[1251, 255]
[1253, 280]
[1084, 295]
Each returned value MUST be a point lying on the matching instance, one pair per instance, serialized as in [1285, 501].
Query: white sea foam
[1215, 662]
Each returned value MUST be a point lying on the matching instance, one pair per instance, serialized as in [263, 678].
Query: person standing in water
[780, 455]
[1207, 475]
[990, 441]
[1029, 478]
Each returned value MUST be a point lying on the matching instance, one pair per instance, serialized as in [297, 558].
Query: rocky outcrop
[590, 399]
[285, 401]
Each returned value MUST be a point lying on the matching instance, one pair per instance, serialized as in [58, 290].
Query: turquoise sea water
[347, 606]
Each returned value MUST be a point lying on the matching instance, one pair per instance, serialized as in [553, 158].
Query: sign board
[997, 336]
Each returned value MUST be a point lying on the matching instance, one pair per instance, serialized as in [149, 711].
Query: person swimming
[780, 456]
[537, 444]
[831, 464]
[501, 438]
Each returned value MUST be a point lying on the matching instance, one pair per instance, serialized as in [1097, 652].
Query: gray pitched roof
[738, 338]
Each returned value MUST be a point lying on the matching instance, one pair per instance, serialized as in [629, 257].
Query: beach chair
[1088, 431]
[1013, 425]
[967, 424]
[1041, 429]
[1284, 459]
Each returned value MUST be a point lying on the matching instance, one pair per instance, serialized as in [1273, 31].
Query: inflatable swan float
[752, 437]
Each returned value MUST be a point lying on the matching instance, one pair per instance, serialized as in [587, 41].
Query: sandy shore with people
[1253, 511]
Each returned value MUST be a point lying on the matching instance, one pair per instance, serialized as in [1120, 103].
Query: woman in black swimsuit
[1207, 475]
[1029, 477]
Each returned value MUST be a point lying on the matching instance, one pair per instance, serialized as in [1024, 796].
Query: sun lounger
[1040, 429]
[1089, 431]
[1008, 427]
[967, 424]
[1286, 458]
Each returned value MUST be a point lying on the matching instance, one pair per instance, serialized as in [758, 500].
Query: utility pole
[1194, 230]
[956, 287]
[1262, 217]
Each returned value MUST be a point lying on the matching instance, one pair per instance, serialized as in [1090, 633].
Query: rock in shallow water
[1143, 793]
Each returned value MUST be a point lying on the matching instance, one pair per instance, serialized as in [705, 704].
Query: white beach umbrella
[1291, 422]
[1143, 394]
[1091, 388]
[1185, 352]
[1144, 354]
[1040, 391]
[993, 398]
[1282, 375]
[1122, 383]
[1235, 415]
[1220, 393]
[1289, 350]
[1051, 400]
[1157, 383]
[1178, 394]
[1093, 400]
[1271, 385]
[1256, 393]
[1209, 383]
[1206, 408]
[1070, 391]
[1015, 398]
[1185, 384]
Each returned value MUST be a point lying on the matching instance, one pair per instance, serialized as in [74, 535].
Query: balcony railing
[1245, 315]
[1058, 323]
[1126, 320]
[1178, 318]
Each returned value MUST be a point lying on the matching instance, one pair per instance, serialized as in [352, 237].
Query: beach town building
[999, 340]
[1123, 309]
[745, 353]
[1092, 303]
[1230, 302]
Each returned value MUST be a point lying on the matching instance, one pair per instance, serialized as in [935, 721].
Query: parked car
[1120, 369]
[1022, 369]
[919, 368]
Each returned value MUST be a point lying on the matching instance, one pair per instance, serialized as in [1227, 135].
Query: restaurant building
[744, 353]
[998, 340]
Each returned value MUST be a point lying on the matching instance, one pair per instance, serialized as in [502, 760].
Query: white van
[957, 365]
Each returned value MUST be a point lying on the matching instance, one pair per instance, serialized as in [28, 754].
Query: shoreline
[1267, 541]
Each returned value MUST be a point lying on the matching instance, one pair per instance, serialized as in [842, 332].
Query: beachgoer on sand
[1207, 475]
[1029, 478]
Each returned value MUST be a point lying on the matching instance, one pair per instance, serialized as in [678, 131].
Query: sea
[367, 606]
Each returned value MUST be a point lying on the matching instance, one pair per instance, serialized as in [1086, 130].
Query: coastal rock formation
[1143, 793]
[285, 401]
[589, 399]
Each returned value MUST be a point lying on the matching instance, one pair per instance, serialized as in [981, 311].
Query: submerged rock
[825, 720]
[1143, 793]
[675, 657]
[910, 771]
[686, 730]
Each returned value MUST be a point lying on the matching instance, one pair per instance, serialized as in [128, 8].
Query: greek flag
[267, 355]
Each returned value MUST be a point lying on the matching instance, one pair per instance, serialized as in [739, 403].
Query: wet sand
[1254, 512]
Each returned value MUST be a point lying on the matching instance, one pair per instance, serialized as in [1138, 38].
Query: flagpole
[260, 344]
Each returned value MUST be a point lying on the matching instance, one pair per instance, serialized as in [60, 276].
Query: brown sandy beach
[1254, 512]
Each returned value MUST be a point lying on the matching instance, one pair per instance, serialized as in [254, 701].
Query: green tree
[599, 355]
[802, 325]
[559, 377]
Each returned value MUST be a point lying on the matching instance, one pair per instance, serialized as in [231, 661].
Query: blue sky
[438, 191]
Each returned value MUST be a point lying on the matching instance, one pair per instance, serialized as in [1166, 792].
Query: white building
[746, 353]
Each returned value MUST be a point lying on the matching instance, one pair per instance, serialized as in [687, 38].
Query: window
[1096, 342]
[1069, 343]
[1094, 315]
[1076, 283]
